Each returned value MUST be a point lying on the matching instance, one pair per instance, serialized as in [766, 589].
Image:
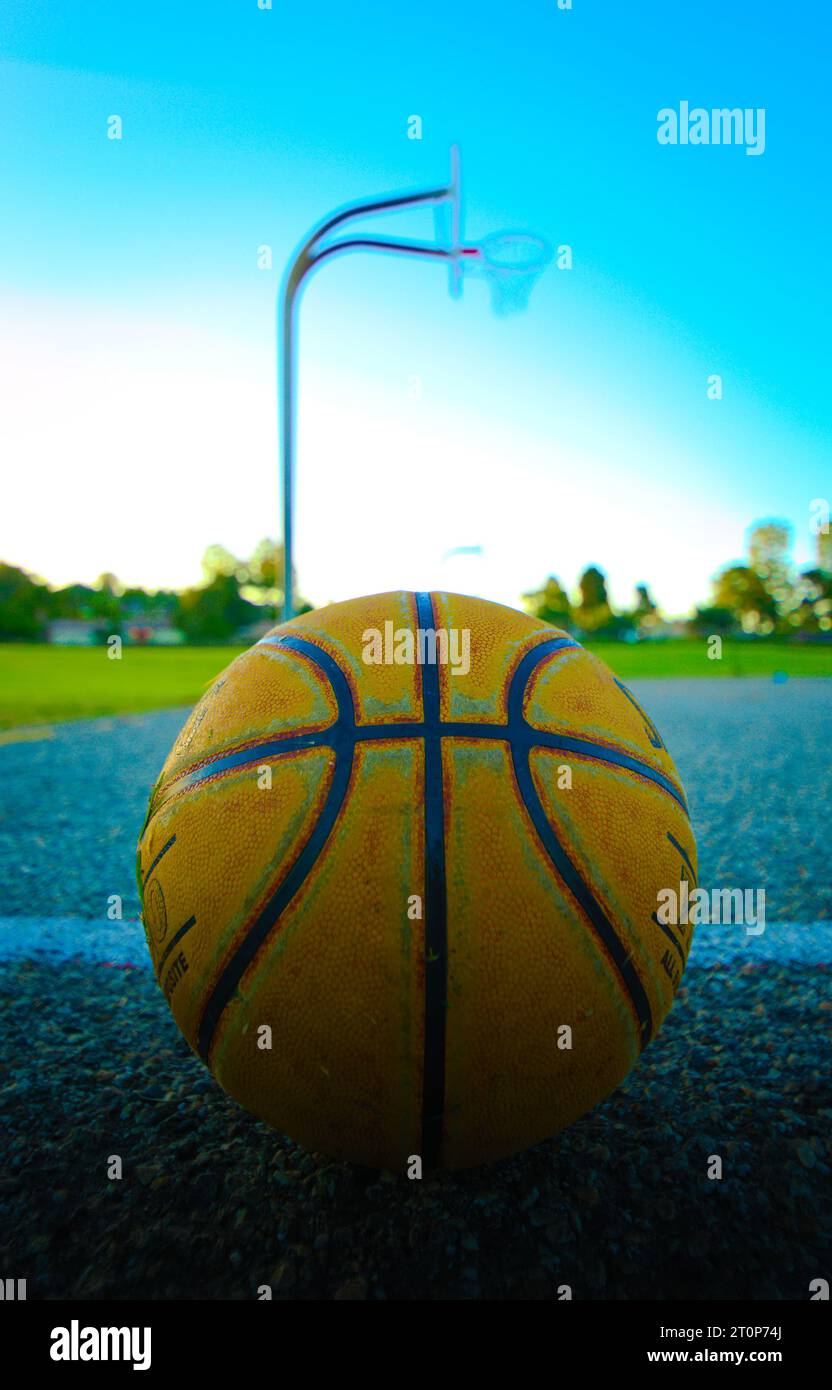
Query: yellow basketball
[400, 877]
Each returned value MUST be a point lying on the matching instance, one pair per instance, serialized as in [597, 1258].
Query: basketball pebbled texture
[418, 905]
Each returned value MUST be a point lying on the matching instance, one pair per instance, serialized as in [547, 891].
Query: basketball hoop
[512, 262]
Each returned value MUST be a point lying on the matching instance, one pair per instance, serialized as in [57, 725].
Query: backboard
[455, 268]
[447, 215]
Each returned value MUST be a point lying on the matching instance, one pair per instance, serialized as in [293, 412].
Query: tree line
[764, 596]
[234, 595]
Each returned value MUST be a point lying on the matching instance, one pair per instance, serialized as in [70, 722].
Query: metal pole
[286, 426]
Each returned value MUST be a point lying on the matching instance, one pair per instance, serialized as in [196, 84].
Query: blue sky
[137, 395]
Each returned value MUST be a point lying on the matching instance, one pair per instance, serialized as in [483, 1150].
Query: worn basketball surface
[401, 892]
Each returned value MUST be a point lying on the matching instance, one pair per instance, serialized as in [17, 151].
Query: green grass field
[687, 657]
[42, 684]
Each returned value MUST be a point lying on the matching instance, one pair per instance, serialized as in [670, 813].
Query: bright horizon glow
[137, 347]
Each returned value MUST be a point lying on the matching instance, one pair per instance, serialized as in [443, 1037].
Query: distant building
[146, 630]
[668, 627]
[76, 632]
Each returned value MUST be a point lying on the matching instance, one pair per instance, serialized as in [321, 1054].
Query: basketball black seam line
[436, 908]
[494, 733]
[588, 904]
[567, 871]
[232, 760]
[162, 852]
[269, 914]
[686, 857]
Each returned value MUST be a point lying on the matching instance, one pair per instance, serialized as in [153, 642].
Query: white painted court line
[801, 942]
[123, 943]
[30, 735]
[64, 938]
